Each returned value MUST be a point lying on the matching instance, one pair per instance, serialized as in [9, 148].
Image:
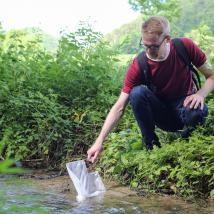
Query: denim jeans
[150, 111]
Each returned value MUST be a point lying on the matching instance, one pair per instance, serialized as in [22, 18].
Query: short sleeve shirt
[171, 77]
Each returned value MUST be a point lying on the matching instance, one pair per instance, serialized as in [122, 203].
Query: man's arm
[111, 121]
[197, 99]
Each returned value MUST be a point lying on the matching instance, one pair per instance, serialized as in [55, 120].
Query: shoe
[186, 133]
[149, 146]
[156, 143]
[151, 143]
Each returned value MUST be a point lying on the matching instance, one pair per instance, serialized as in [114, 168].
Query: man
[176, 103]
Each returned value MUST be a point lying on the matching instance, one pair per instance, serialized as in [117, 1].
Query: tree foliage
[195, 13]
[182, 16]
[167, 8]
[50, 101]
[126, 38]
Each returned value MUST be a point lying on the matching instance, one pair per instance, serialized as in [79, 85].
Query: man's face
[154, 47]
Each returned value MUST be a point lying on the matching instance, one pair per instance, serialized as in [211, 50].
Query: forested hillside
[184, 16]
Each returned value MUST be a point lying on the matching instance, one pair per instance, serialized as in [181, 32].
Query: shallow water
[57, 195]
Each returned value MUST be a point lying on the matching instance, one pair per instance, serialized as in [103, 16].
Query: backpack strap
[182, 53]
[145, 70]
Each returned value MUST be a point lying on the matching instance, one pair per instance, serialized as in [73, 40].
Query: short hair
[157, 25]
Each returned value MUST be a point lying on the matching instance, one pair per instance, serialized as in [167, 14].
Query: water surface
[57, 195]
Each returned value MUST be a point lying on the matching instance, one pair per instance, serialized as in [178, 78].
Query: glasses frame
[152, 47]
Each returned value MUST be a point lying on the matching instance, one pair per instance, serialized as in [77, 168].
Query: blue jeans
[150, 111]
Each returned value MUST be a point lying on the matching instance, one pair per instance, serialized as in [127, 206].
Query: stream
[41, 193]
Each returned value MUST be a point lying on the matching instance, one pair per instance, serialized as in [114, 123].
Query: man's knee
[138, 92]
[194, 117]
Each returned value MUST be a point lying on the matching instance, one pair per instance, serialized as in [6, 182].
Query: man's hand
[94, 151]
[194, 101]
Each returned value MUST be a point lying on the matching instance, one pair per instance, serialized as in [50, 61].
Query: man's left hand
[194, 101]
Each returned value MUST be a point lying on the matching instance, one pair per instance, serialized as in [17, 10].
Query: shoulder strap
[145, 70]
[182, 52]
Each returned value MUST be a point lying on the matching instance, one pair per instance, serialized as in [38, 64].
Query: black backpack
[182, 53]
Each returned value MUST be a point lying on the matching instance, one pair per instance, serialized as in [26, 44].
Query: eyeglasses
[152, 47]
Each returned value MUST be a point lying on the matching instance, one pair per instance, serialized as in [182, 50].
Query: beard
[153, 54]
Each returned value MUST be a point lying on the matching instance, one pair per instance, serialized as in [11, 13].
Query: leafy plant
[53, 105]
[180, 167]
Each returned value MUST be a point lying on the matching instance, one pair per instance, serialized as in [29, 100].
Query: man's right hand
[94, 151]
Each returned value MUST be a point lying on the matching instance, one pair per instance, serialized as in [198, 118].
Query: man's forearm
[208, 87]
[207, 71]
[113, 117]
[111, 121]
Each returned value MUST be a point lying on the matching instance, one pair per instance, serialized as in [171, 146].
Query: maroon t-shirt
[171, 77]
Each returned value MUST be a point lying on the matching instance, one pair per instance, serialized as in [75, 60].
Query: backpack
[182, 53]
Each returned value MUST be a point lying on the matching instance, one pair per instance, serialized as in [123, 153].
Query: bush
[53, 105]
[183, 168]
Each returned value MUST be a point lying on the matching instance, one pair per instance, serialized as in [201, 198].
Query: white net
[86, 184]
